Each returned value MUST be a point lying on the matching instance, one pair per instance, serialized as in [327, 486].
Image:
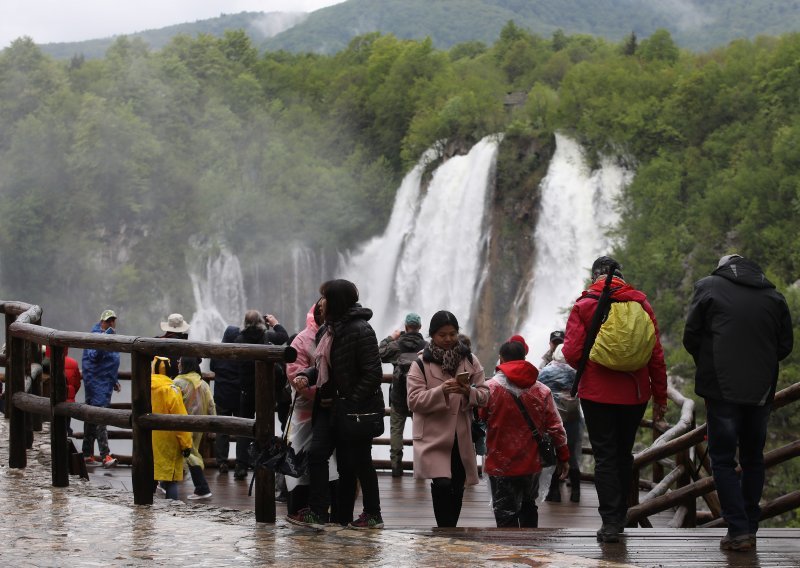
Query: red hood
[521, 373]
[620, 290]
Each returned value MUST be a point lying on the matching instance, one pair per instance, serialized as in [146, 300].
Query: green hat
[413, 319]
[107, 315]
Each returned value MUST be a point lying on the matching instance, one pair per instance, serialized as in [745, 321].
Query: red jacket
[511, 447]
[599, 383]
[72, 373]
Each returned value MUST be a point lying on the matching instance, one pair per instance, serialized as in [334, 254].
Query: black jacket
[355, 371]
[258, 336]
[226, 376]
[737, 330]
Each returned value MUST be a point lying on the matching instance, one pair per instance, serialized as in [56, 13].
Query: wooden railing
[24, 330]
[691, 472]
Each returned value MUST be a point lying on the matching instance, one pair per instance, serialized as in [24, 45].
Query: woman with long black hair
[348, 410]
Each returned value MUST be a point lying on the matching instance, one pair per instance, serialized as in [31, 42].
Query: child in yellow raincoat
[199, 401]
[169, 448]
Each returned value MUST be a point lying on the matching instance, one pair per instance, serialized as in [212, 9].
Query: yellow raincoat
[199, 401]
[168, 446]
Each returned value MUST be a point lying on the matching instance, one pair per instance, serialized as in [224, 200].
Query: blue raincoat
[100, 370]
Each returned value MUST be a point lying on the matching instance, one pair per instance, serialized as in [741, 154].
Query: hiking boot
[91, 462]
[240, 472]
[609, 533]
[742, 542]
[367, 521]
[306, 518]
[223, 467]
[109, 461]
[200, 496]
[397, 471]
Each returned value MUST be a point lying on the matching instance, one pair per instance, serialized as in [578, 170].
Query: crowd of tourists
[599, 374]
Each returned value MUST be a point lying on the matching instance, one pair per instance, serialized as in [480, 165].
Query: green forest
[108, 167]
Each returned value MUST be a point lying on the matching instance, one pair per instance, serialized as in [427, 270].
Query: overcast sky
[49, 21]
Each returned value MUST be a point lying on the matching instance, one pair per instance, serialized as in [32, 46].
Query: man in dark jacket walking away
[400, 349]
[227, 393]
[737, 330]
[255, 330]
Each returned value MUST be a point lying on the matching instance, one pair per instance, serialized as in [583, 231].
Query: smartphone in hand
[463, 378]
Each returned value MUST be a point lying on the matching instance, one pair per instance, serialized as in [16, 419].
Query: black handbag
[279, 455]
[360, 423]
[547, 451]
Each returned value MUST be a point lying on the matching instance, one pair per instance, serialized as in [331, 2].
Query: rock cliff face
[521, 165]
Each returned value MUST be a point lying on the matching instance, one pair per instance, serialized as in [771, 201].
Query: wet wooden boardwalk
[565, 528]
[405, 502]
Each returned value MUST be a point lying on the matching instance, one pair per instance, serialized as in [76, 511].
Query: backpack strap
[527, 417]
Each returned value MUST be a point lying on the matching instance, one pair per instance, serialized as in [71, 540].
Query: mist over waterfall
[577, 210]
[432, 254]
[219, 297]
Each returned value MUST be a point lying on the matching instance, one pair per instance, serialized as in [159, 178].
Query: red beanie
[519, 339]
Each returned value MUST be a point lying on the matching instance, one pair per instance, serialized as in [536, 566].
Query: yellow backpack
[626, 338]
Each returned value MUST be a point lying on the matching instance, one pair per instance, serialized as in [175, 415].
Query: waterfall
[430, 256]
[218, 296]
[577, 211]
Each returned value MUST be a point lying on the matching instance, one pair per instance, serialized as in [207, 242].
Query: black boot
[457, 499]
[554, 493]
[575, 485]
[529, 516]
[442, 497]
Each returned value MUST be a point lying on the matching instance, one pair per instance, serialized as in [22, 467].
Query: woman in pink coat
[442, 416]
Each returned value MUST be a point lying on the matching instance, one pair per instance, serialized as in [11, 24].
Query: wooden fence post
[7, 400]
[34, 351]
[142, 458]
[15, 381]
[265, 430]
[59, 450]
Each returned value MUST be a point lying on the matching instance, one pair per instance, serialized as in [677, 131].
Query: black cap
[557, 337]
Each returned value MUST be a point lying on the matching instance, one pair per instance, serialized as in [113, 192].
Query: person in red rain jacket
[512, 460]
[613, 402]
[72, 372]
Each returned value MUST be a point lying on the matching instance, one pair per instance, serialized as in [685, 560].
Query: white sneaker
[196, 496]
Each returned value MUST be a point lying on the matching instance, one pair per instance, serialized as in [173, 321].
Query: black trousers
[612, 431]
[354, 464]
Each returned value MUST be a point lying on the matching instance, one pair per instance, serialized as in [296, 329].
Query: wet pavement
[89, 524]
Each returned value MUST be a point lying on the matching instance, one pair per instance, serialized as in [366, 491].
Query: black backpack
[398, 394]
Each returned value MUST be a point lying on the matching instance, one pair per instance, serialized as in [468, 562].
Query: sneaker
[367, 521]
[109, 461]
[91, 462]
[739, 543]
[223, 467]
[306, 518]
[201, 496]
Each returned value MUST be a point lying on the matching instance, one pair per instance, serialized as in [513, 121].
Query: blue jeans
[199, 480]
[731, 425]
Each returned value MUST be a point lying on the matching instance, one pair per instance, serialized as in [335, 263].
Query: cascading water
[577, 211]
[431, 254]
[218, 295]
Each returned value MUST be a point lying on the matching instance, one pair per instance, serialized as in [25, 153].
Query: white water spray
[431, 254]
[577, 210]
[219, 297]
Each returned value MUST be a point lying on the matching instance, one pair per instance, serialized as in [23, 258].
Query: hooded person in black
[226, 396]
[738, 329]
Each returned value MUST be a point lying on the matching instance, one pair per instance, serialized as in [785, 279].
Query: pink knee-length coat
[437, 419]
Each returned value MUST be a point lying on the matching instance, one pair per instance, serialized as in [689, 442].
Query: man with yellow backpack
[612, 341]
